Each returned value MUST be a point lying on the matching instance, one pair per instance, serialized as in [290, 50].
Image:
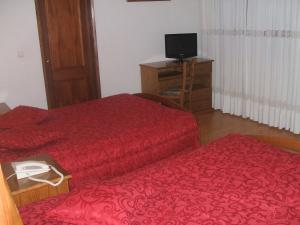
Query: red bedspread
[236, 180]
[113, 135]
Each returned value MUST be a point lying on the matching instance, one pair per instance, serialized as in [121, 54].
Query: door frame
[45, 54]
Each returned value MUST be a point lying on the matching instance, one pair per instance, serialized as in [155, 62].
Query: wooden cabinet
[157, 76]
[25, 191]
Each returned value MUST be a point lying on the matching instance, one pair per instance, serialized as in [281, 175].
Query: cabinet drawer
[202, 68]
[202, 100]
[203, 93]
[201, 106]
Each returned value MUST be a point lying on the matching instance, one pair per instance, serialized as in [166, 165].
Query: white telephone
[30, 168]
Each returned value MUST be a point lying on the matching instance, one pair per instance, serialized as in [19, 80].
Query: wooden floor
[215, 124]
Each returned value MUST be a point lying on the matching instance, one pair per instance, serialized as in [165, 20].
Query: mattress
[106, 137]
[235, 180]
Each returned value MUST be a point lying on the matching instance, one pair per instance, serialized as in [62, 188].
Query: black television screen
[180, 46]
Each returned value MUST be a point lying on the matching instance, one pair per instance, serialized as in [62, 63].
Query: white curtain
[256, 48]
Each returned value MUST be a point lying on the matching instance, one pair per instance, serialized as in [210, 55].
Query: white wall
[21, 73]
[128, 34]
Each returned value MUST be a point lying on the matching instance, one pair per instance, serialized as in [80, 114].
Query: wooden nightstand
[3, 108]
[25, 191]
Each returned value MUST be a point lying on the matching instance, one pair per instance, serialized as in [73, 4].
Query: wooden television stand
[158, 76]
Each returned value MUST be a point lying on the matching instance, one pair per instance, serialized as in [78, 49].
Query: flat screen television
[180, 46]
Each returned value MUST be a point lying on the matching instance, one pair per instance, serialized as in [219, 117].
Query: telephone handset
[30, 168]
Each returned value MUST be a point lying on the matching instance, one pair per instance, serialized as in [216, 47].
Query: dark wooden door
[69, 51]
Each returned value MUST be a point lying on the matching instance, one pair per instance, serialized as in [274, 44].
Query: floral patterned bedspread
[235, 180]
[110, 136]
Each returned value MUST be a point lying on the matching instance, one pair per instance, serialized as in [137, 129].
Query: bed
[101, 138]
[234, 180]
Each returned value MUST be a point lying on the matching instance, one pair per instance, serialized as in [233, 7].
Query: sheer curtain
[256, 48]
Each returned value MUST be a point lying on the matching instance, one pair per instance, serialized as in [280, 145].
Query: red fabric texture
[27, 137]
[22, 115]
[114, 135]
[235, 180]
